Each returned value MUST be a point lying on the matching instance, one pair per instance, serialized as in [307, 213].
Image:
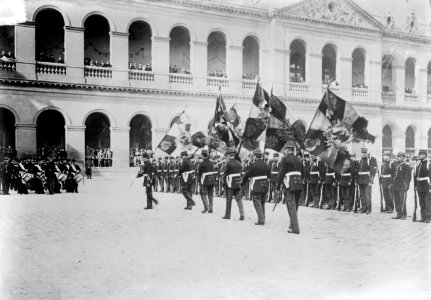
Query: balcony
[140, 75]
[97, 72]
[47, 71]
[388, 97]
[217, 81]
[249, 84]
[299, 87]
[7, 65]
[335, 89]
[411, 98]
[179, 81]
[359, 92]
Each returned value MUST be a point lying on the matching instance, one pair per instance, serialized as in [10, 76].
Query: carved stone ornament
[389, 21]
[335, 11]
[411, 24]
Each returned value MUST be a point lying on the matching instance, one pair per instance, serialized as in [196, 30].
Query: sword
[338, 197]
[416, 205]
[321, 196]
[306, 196]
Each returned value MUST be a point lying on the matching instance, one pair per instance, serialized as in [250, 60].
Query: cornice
[160, 39]
[120, 34]
[202, 44]
[26, 126]
[27, 24]
[73, 28]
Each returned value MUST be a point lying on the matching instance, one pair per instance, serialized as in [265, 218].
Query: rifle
[277, 198]
[338, 197]
[416, 205]
[306, 196]
[321, 196]
[404, 203]
[355, 199]
[381, 192]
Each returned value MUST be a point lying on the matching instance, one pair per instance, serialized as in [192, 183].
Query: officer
[290, 174]
[5, 175]
[305, 173]
[314, 177]
[387, 172]
[232, 183]
[207, 178]
[329, 187]
[346, 181]
[146, 171]
[401, 185]
[185, 170]
[366, 170]
[274, 174]
[245, 169]
[422, 186]
[259, 174]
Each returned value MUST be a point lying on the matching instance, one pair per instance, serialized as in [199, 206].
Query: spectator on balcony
[106, 64]
[51, 59]
[148, 67]
[60, 60]
[140, 67]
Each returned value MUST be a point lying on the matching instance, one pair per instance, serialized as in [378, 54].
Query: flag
[255, 126]
[335, 125]
[223, 133]
[180, 136]
[279, 130]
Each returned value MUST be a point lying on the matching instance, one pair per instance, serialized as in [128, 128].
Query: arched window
[329, 64]
[7, 128]
[250, 58]
[7, 42]
[140, 133]
[410, 76]
[140, 46]
[387, 139]
[358, 68]
[387, 77]
[297, 61]
[97, 41]
[97, 131]
[179, 51]
[50, 36]
[216, 55]
[410, 140]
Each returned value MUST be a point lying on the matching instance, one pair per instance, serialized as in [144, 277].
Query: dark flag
[335, 125]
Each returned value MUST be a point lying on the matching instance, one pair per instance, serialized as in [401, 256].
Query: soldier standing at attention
[346, 181]
[316, 170]
[367, 168]
[146, 170]
[207, 177]
[233, 185]
[329, 184]
[386, 178]
[422, 186]
[259, 173]
[274, 175]
[185, 170]
[290, 174]
[401, 185]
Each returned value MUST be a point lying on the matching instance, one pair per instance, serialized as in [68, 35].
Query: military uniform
[366, 170]
[314, 177]
[207, 177]
[346, 180]
[233, 174]
[401, 185]
[274, 165]
[329, 187]
[422, 180]
[185, 170]
[146, 170]
[387, 172]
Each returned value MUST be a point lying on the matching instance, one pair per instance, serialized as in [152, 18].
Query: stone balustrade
[388, 97]
[97, 72]
[7, 65]
[333, 88]
[184, 79]
[299, 87]
[411, 98]
[141, 75]
[50, 68]
[359, 92]
[249, 84]
[217, 81]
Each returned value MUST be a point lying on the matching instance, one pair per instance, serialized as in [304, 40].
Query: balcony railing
[7, 65]
[50, 68]
[249, 84]
[332, 88]
[410, 98]
[141, 75]
[97, 72]
[359, 92]
[388, 97]
[299, 87]
[217, 81]
[180, 78]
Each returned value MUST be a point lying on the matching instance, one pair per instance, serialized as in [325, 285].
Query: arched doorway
[250, 58]
[358, 68]
[50, 133]
[179, 51]
[140, 46]
[388, 80]
[50, 36]
[7, 129]
[297, 61]
[216, 55]
[410, 77]
[387, 139]
[410, 140]
[97, 131]
[329, 64]
[97, 41]
[140, 133]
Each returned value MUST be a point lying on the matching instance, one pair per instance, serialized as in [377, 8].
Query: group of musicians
[40, 175]
[297, 180]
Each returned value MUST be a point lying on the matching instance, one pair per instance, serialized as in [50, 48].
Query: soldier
[386, 178]
[306, 171]
[401, 185]
[366, 170]
[196, 167]
[75, 170]
[246, 187]
[422, 186]
[274, 175]
[290, 174]
[315, 175]
[38, 173]
[346, 181]
[207, 178]
[177, 179]
[232, 184]
[259, 174]
[50, 175]
[5, 175]
[171, 174]
[185, 170]
[329, 187]
[146, 170]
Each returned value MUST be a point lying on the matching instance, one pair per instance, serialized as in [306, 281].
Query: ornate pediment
[337, 12]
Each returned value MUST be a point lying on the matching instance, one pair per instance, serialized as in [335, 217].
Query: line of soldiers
[39, 175]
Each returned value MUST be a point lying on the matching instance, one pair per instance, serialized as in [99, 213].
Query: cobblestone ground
[101, 244]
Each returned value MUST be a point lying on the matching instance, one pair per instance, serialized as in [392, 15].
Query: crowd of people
[44, 57]
[141, 67]
[52, 151]
[95, 63]
[7, 57]
[175, 69]
[42, 175]
[7, 151]
[410, 91]
[249, 77]
[99, 157]
[217, 73]
[359, 85]
[297, 180]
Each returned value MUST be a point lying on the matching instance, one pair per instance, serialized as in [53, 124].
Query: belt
[330, 174]
[423, 179]
[364, 173]
[315, 173]
[205, 174]
[186, 175]
[253, 180]
[385, 176]
[230, 177]
[287, 177]
[346, 174]
[274, 172]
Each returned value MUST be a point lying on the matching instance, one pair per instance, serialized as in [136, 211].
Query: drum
[78, 177]
[209, 178]
[26, 177]
[42, 177]
[61, 177]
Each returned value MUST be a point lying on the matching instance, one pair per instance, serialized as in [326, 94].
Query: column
[422, 86]
[316, 75]
[120, 146]
[423, 142]
[345, 76]
[74, 53]
[120, 57]
[398, 143]
[25, 139]
[160, 57]
[400, 83]
[234, 68]
[75, 143]
[199, 64]
[280, 70]
[25, 48]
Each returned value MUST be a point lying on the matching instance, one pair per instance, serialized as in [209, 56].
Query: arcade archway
[97, 131]
[50, 133]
